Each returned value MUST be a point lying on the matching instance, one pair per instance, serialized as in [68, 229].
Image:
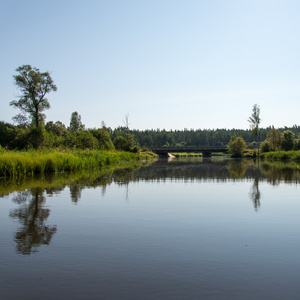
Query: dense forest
[197, 137]
[56, 134]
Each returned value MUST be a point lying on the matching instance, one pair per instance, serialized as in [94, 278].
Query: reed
[20, 163]
[281, 155]
[186, 154]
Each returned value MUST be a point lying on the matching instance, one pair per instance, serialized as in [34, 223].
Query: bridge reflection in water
[205, 150]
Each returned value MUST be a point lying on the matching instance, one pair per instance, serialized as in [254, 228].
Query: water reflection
[31, 196]
[75, 192]
[238, 167]
[276, 172]
[255, 193]
[32, 216]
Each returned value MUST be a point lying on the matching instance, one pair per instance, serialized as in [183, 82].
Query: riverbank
[20, 163]
[187, 154]
[281, 155]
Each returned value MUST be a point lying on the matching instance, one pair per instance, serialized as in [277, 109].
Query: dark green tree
[85, 140]
[297, 144]
[103, 137]
[34, 86]
[57, 128]
[75, 122]
[236, 146]
[288, 140]
[275, 138]
[125, 142]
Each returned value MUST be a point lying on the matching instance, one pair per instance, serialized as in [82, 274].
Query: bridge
[205, 150]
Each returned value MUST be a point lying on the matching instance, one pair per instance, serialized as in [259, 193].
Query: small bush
[236, 146]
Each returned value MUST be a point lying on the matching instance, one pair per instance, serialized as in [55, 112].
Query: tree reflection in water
[32, 216]
[255, 193]
[75, 192]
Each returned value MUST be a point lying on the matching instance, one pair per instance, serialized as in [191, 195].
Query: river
[194, 228]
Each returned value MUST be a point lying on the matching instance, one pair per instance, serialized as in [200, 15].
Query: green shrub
[265, 146]
[236, 146]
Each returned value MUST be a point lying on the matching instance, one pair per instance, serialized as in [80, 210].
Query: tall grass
[16, 163]
[186, 154]
[281, 155]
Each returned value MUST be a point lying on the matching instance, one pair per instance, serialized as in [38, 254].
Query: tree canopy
[75, 122]
[34, 86]
[255, 120]
[236, 146]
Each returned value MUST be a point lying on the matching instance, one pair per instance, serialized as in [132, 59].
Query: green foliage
[255, 120]
[181, 144]
[184, 154]
[274, 138]
[75, 122]
[5, 133]
[18, 138]
[288, 140]
[103, 138]
[85, 140]
[31, 162]
[265, 146]
[281, 155]
[34, 85]
[36, 137]
[297, 144]
[236, 146]
[57, 128]
[121, 143]
[125, 142]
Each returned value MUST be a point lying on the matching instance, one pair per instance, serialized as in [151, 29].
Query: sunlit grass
[281, 155]
[186, 154]
[18, 163]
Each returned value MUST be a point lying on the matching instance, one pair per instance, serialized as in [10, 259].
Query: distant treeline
[52, 135]
[196, 137]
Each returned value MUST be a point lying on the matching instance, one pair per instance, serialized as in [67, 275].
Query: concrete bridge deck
[205, 150]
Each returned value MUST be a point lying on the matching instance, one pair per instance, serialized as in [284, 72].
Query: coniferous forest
[56, 134]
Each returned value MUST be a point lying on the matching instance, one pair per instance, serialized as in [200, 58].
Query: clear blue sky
[167, 63]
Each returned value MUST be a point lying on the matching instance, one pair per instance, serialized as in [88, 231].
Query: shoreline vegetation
[32, 162]
[97, 147]
[185, 154]
[281, 155]
[55, 181]
[28, 163]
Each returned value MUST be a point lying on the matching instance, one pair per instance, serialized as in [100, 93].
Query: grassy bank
[18, 163]
[281, 155]
[185, 154]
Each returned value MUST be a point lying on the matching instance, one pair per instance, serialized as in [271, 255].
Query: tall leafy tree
[75, 122]
[254, 121]
[34, 86]
[275, 138]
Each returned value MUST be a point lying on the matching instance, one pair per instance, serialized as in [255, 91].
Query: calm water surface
[180, 229]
